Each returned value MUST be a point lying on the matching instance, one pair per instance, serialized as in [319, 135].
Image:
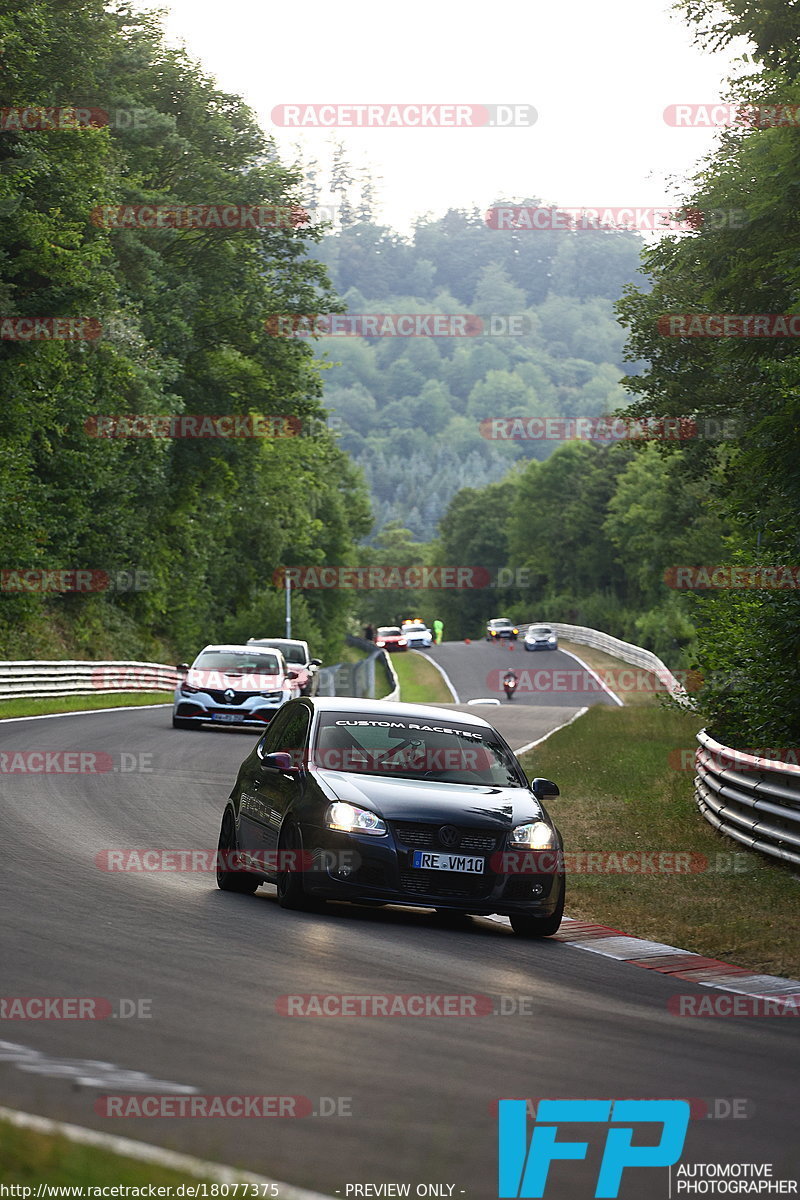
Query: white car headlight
[536, 835]
[347, 818]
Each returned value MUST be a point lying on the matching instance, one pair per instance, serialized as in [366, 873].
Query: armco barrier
[635, 655]
[754, 800]
[68, 677]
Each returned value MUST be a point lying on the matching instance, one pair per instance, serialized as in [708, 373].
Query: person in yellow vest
[438, 630]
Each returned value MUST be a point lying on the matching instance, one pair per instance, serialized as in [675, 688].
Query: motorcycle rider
[510, 682]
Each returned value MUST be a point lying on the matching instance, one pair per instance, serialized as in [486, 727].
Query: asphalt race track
[212, 967]
[547, 678]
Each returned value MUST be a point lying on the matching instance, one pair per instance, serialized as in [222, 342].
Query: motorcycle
[510, 686]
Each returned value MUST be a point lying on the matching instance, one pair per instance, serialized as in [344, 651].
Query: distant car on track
[391, 637]
[233, 685]
[540, 637]
[387, 803]
[499, 628]
[298, 658]
[417, 634]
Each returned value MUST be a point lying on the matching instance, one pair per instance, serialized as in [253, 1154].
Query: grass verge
[29, 1158]
[420, 682]
[622, 791]
[39, 705]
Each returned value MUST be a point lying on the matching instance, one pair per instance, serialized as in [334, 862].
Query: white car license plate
[224, 717]
[431, 861]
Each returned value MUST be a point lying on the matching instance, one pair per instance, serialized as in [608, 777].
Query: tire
[291, 892]
[244, 882]
[537, 927]
[182, 723]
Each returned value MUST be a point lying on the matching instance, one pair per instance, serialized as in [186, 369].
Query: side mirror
[544, 787]
[182, 668]
[281, 760]
[315, 662]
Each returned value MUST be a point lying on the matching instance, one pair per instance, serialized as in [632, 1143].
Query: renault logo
[449, 836]
[229, 694]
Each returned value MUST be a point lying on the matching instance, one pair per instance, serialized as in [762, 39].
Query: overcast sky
[598, 72]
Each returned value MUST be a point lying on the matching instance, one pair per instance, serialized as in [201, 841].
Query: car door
[268, 791]
[257, 820]
[280, 789]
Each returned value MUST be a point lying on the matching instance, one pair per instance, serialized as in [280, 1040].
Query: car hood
[418, 800]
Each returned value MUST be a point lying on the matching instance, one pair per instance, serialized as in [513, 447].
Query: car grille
[426, 837]
[238, 697]
[445, 883]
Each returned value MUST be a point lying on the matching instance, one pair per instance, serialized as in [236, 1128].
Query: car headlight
[515, 631]
[272, 695]
[536, 835]
[187, 689]
[347, 818]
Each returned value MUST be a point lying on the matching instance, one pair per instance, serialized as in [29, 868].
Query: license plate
[430, 861]
[224, 717]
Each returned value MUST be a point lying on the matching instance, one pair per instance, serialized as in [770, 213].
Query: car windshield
[293, 654]
[501, 622]
[389, 631]
[231, 662]
[416, 627]
[540, 630]
[406, 748]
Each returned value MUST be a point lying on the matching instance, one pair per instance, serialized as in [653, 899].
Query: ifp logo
[523, 1171]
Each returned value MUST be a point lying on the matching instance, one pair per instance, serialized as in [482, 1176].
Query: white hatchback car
[233, 685]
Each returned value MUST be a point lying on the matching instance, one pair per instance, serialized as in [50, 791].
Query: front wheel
[244, 882]
[537, 927]
[291, 893]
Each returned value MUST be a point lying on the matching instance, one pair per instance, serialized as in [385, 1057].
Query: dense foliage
[204, 521]
[410, 408]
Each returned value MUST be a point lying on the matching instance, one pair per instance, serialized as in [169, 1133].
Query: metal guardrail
[30, 678]
[637, 656]
[754, 800]
[370, 678]
[72, 677]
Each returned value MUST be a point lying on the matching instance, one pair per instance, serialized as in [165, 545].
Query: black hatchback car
[384, 803]
[499, 628]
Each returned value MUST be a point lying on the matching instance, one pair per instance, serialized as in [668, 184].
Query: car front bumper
[381, 871]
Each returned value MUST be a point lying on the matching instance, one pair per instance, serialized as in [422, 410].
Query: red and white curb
[670, 960]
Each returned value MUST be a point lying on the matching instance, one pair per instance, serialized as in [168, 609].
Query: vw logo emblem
[449, 836]
[229, 694]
